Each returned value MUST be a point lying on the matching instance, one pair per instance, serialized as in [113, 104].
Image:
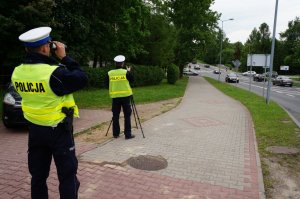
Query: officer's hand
[128, 68]
[60, 49]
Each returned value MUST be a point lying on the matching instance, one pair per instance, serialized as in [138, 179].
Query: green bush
[147, 75]
[97, 76]
[143, 76]
[172, 74]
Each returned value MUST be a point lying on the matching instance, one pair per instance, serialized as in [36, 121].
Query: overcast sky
[248, 14]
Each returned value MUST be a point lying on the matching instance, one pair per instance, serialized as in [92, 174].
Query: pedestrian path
[208, 143]
[204, 148]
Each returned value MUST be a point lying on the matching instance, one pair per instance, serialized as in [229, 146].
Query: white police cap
[36, 37]
[119, 58]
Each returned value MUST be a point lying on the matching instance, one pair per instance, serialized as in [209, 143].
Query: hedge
[172, 74]
[143, 76]
[147, 75]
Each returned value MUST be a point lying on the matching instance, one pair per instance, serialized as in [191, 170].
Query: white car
[186, 70]
[197, 67]
[249, 73]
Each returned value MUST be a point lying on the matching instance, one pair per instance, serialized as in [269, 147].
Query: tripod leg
[137, 116]
[134, 114]
[108, 127]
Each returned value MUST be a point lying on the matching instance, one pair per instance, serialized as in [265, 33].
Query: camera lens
[52, 46]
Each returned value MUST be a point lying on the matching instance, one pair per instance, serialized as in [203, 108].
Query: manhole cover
[148, 162]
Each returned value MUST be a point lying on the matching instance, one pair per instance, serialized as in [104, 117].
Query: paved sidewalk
[208, 143]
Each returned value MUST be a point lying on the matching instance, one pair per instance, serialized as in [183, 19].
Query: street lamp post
[221, 45]
[272, 55]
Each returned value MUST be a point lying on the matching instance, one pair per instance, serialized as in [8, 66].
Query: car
[249, 73]
[12, 110]
[197, 67]
[190, 73]
[259, 77]
[217, 72]
[206, 66]
[186, 70]
[283, 81]
[274, 74]
[232, 77]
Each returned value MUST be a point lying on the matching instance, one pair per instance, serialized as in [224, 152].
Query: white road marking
[281, 90]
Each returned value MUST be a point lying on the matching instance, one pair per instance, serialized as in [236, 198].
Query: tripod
[135, 114]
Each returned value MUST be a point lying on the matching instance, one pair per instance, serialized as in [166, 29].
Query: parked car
[232, 77]
[12, 110]
[249, 73]
[259, 77]
[274, 74]
[217, 72]
[283, 81]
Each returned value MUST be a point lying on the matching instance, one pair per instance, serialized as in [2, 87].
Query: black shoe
[132, 136]
[116, 136]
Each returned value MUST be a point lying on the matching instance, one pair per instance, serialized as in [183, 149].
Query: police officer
[48, 104]
[121, 94]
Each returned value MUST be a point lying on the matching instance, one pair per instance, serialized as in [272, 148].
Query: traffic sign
[236, 63]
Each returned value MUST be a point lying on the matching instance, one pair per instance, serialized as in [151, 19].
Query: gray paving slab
[208, 142]
[205, 139]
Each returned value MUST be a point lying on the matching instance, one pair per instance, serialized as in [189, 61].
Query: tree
[71, 26]
[227, 51]
[291, 45]
[194, 21]
[237, 55]
[17, 17]
[238, 51]
[212, 48]
[260, 40]
[160, 43]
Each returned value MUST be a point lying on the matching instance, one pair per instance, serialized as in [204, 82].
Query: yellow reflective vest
[118, 84]
[40, 105]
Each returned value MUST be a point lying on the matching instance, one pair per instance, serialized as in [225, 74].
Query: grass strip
[273, 127]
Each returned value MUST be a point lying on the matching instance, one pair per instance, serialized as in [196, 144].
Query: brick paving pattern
[208, 142]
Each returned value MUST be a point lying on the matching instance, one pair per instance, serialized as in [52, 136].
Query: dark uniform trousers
[117, 103]
[45, 142]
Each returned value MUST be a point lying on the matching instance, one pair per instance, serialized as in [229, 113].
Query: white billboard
[262, 60]
[284, 67]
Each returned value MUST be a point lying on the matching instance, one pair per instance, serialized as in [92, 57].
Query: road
[287, 97]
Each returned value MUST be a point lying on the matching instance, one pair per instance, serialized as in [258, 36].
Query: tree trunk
[100, 61]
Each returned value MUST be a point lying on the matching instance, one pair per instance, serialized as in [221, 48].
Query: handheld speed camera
[52, 46]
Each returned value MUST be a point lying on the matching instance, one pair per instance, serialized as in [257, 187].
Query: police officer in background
[47, 102]
[121, 94]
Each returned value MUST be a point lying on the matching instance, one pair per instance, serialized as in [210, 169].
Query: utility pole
[221, 46]
[272, 55]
